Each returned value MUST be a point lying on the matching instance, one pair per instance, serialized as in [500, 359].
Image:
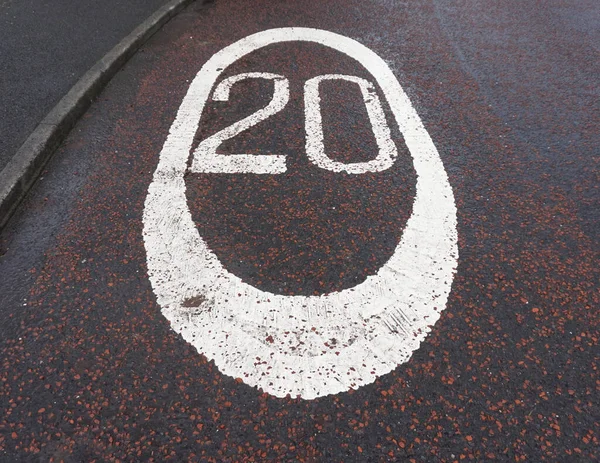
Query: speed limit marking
[274, 341]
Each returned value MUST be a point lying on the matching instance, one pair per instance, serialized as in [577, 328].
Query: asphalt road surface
[45, 47]
[353, 231]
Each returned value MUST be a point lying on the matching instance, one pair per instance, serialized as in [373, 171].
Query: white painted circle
[277, 342]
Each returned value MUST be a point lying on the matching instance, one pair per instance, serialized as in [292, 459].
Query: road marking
[315, 147]
[206, 159]
[307, 346]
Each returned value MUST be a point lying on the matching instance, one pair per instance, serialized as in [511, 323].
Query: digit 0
[315, 147]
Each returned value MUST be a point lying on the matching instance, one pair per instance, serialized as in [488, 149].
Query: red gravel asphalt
[91, 370]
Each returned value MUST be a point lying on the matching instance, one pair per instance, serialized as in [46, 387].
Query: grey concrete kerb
[23, 169]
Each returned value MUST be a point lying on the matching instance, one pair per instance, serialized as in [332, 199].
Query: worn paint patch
[306, 346]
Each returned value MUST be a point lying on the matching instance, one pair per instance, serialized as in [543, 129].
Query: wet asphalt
[45, 47]
[91, 370]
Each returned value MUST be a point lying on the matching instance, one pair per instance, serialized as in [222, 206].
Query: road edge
[21, 172]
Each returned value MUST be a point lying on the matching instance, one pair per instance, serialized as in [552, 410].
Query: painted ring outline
[384, 324]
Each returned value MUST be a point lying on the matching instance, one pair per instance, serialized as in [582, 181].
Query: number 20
[206, 159]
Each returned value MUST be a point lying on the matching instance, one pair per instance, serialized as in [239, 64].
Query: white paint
[377, 324]
[206, 159]
[315, 147]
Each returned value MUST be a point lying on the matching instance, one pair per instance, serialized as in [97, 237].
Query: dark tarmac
[91, 369]
[45, 47]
